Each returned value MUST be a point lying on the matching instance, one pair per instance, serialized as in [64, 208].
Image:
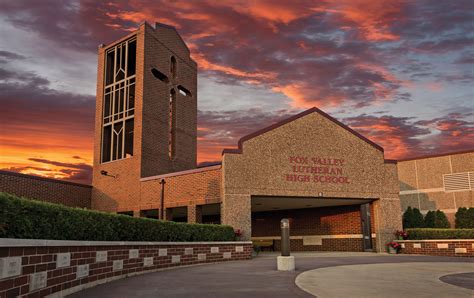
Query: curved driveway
[252, 278]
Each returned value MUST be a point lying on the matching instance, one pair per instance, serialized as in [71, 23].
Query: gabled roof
[293, 118]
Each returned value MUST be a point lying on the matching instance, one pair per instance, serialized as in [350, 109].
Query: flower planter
[392, 250]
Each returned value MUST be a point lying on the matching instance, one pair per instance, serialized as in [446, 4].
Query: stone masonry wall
[289, 159]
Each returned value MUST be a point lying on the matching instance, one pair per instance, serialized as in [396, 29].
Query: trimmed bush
[29, 219]
[464, 218]
[436, 219]
[426, 234]
[412, 218]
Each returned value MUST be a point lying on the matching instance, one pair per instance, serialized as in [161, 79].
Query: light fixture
[105, 173]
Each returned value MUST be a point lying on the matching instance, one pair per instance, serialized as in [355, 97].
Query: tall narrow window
[172, 125]
[173, 67]
[119, 101]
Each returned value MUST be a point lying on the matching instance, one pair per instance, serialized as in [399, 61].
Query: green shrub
[436, 219]
[426, 234]
[412, 218]
[464, 218]
[29, 219]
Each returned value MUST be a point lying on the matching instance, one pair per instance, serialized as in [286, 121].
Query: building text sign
[317, 170]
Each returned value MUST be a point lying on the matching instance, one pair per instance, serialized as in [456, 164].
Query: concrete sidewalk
[385, 280]
[252, 278]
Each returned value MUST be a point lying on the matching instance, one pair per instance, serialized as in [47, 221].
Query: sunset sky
[399, 72]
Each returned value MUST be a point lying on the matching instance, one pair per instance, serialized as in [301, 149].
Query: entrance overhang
[264, 203]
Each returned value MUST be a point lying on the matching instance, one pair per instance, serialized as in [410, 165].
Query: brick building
[334, 185]
[444, 182]
[45, 189]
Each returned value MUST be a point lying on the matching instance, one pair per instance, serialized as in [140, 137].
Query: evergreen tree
[465, 218]
[418, 221]
[430, 219]
[408, 219]
[441, 220]
[436, 219]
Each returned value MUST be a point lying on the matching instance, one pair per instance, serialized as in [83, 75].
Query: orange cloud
[208, 65]
[304, 97]
[394, 144]
[271, 10]
[373, 18]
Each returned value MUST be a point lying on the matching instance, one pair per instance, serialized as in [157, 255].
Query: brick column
[194, 214]
[168, 214]
[136, 213]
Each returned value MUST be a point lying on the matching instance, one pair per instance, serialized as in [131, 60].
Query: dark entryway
[316, 224]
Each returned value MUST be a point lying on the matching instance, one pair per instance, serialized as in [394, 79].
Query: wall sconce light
[105, 173]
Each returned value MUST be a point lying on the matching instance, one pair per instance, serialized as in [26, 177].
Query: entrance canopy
[267, 203]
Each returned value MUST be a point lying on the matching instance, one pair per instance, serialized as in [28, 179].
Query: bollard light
[285, 262]
[285, 237]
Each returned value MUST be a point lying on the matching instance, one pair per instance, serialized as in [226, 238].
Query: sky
[399, 72]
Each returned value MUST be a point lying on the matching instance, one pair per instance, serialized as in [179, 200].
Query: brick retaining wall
[454, 247]
[36, 268]
[45, 189]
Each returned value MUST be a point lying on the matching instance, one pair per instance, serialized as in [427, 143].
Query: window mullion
[126, 62]
[123, 137]
[120, 62]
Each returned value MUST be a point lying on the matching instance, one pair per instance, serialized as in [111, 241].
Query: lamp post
[162, 199]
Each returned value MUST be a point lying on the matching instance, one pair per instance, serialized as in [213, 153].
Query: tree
[436, 219]
[430, 219]
[465, 218]
[418, 221]
[408, 219]
[441, 220]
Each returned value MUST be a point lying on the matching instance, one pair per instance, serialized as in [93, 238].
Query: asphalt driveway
[251, 278]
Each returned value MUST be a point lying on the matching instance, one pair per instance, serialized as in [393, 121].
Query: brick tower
[146, 110]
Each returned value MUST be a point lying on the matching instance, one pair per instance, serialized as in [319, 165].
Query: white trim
[418, 191]
[11, 242]
[444, 210]
[180, 173]
[451, 171]
[417, 186]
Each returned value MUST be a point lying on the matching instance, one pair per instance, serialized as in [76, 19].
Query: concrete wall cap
[180, 173]
[11, 242]
[436, 240]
